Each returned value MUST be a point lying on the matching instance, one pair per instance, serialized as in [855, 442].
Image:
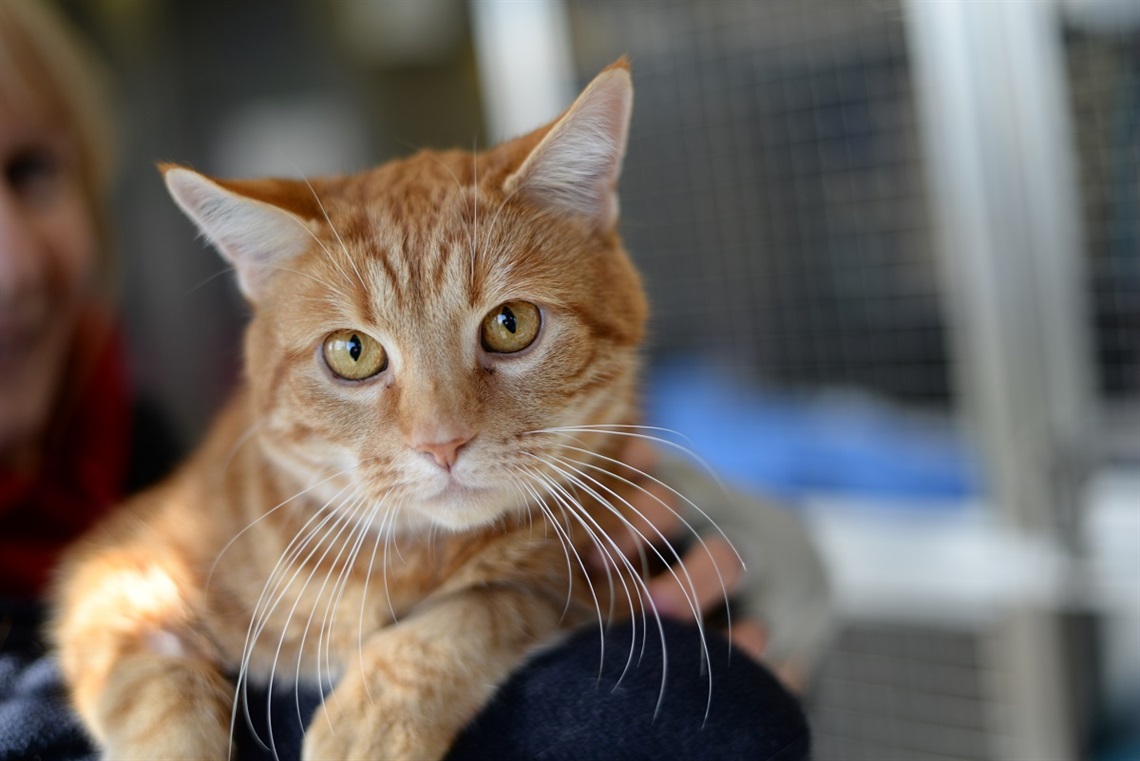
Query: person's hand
[713, 567]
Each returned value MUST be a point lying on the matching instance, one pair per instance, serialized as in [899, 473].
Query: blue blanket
[789, 446]
[35, 720]
[559, 707]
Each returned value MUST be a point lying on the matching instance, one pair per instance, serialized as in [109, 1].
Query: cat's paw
[168, 745]
[158, 709]
[370, 740]
[344, 729]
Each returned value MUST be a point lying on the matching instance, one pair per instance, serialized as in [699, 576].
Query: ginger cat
[440, 366]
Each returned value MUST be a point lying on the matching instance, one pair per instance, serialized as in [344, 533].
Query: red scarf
[81, 472]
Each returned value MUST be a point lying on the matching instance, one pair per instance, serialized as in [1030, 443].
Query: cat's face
[420, 329]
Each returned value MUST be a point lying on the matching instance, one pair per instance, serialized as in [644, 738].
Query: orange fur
[154, 609]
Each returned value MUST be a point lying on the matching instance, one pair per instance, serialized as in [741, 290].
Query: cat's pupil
[355, 347]
[507, 319]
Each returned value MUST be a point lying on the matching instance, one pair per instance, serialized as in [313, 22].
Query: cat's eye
[354, 355]
[511, 327]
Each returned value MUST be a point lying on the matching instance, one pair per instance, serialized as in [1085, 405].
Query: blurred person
[74, 439]
[69, 425]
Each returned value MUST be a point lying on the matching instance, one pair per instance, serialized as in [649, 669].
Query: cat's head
[419, 329]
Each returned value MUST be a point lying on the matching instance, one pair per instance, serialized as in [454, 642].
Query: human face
[48, 250]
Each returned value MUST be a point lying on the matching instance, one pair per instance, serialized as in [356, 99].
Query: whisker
[384, 561]
[628, 430]
[540, 479]
[664, 485]
[318, 280]
[343, 520]
[586, 520]
[567, 547]
[266, 514]
[239, 443]
[357, 527]
[362, 529]
[494, 220]
[560, 494]
[569, 501]
[292, 550]
[524, 499]
[332, 227]
[350, 562]
[260, 619]
[689, 591]
[691, 529]
[475, 199]
[380, 533]
[438, 161]
[207, 280]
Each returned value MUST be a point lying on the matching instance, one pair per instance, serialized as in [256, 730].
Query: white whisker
[570, 462]
[689, 588]
[690, 591]
[266, 514]
[545, 482]
[567, 547]
[295, 546]
[585, 519]
[340, 240]
[475, 199]
[328, 540]
[565, 498]
[318, 280]
[388, 541]
[380, 533]
[261, 620]
[666, 486]
[360, 528]
[494, 220]
[628, 430]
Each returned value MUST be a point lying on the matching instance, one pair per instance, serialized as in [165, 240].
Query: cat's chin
[461, 508]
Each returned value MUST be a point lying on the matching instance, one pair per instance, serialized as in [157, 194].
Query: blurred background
[894, 252]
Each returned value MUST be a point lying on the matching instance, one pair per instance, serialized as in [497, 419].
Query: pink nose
[445, 453]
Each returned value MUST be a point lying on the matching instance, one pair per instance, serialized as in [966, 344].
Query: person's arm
[782, 614]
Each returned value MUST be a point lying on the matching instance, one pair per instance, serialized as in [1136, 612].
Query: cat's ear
[257, 225]
[575, 167]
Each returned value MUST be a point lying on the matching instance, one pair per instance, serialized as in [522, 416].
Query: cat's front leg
[150, 696]
[420, 681]
[141, 672]
[156, 707]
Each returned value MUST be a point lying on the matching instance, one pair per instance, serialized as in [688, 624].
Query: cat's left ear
[575, 167]
[256, 225]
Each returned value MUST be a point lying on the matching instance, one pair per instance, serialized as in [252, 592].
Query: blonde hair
[46, 68]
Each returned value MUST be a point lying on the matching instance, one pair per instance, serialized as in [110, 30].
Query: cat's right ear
[575, 167]
[244, 221]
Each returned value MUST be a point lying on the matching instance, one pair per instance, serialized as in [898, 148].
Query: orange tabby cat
[441, 352]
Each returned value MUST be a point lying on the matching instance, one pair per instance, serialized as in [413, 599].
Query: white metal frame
[526, 68]
[997, 135]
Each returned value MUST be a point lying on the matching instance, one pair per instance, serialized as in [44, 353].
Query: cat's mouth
[456, 490]
[459, 503]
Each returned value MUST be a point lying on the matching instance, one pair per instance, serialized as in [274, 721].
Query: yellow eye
[353, 355]
[511, 327]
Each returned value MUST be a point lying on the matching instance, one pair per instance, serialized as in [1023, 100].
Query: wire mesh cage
[776, 196]
[773, 191]
[1103, 71]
